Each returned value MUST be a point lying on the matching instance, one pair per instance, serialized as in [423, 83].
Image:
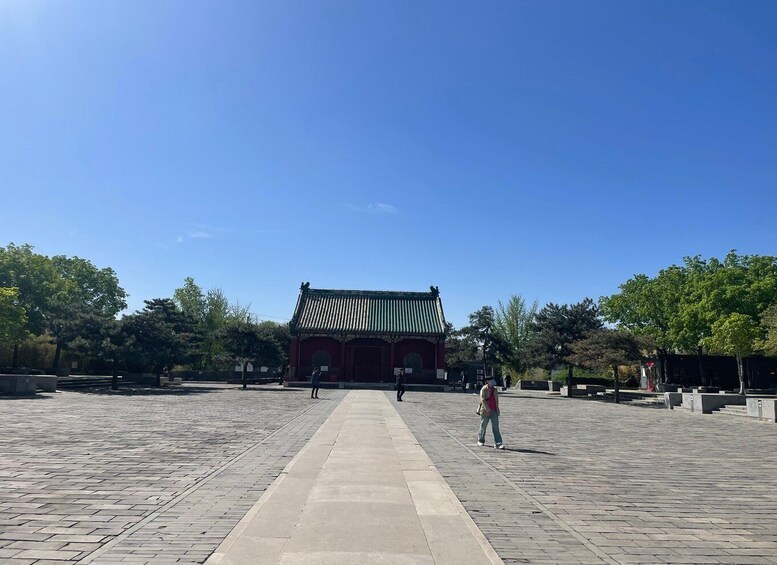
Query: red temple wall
[309, 346]
[426, 350]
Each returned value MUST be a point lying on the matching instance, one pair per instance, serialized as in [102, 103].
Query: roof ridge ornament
[435, 290]
[304, 287]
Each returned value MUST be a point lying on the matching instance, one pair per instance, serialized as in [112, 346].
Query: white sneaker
[499, 446]
[481, 443]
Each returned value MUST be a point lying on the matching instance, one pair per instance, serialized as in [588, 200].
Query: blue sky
[551, 149]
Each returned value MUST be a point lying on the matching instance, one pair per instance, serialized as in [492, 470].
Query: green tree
[282, 335]
[556, 327]
[38, 284]
[48, 286]
[13, 317]
[650, 307]
[246, 342]
[481, 330]
[104, 338]
[513, 323]
[606, 349]
[162, 336]
[769, 329]
[679, 307]
[737, 335]
[460, 348]
[85, 284]
[212, 311]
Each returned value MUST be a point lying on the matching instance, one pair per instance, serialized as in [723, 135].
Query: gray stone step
[732, 410]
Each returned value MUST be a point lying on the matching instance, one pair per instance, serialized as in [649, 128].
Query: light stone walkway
[362, 491]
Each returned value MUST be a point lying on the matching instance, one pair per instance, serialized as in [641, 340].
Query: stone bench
[46, 383]
[582, 390]
[707, 402]
[18, 385]
[762, 408]
[532, 385]
[672, 399]
[177, 381]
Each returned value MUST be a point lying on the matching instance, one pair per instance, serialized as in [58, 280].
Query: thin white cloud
[194, 234]
[383, 208]
[375, 208]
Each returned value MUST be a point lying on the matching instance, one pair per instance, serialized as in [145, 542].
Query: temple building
[365, 336]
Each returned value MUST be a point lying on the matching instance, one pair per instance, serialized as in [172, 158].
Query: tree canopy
[557, 327]
[513, 324]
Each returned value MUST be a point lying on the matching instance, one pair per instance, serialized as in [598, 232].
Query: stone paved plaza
[164, 476]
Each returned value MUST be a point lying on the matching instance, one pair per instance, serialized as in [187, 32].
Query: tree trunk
[662, 368]
[114, 375]
[570, 372]
[616, 379]
[57, 355]
[741, 374]
[245, 382]
[702, 376]
[670, 370]
[15, 364]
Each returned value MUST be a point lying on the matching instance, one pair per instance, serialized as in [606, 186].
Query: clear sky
[551, 149]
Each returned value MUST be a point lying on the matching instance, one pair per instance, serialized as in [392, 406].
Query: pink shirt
[492, 401]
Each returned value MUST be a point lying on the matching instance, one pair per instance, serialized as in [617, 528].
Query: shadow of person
[534, 451]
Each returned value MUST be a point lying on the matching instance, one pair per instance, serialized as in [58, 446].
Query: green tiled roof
[368, 312]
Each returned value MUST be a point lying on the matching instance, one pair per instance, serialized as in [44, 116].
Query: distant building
[365, 335]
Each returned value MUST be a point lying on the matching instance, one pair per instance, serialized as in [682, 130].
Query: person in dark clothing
[400, 384]
[315, 379]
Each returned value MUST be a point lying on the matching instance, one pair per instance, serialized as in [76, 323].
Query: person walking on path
[489, 412]
[315, 380]
[400, 384]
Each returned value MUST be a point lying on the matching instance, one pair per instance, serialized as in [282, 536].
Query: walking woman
[400, 384]
[315, 378]
[489, 412]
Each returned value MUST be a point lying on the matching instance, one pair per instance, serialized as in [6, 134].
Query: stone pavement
[165, 476]
[361, 492]
[157, 477]
[590, 482]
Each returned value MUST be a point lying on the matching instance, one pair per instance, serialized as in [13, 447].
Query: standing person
[315, 379]
[489, 411]
[400, 384]
[508, 378]
[463, 381]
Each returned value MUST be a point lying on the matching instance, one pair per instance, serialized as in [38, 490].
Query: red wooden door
[366, 363]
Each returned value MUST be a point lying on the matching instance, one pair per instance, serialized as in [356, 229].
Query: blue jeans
[484, 419]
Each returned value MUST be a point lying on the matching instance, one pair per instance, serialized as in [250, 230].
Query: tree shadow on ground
[25, 397]
[126, 389]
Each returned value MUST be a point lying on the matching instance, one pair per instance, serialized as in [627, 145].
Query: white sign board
[397, 370]
[250, 368]
[324, 368]
[440, 373]
[262, 369]
[408, 370]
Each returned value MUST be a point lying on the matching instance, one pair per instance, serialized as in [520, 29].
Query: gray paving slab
[173, 470]
[592, 482]
[164, 477]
